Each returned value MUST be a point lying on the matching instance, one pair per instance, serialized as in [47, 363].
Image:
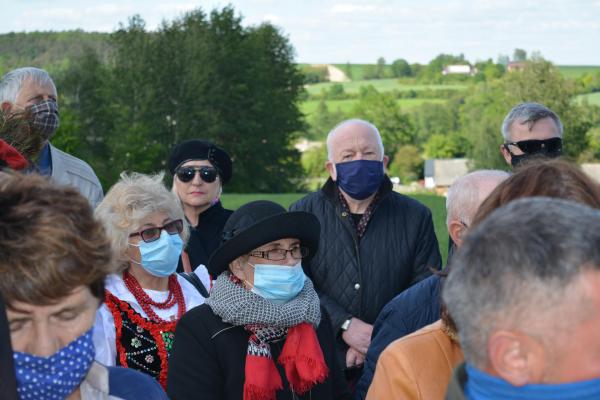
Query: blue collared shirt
[44, 163]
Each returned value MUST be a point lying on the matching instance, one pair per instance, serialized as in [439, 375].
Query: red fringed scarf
[301, 358]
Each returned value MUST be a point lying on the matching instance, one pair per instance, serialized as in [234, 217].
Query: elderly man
[531, 130]
[374, 242]
[31, 91]
[420, 305]
[524, 293]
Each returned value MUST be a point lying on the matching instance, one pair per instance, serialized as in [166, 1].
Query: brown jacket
[417, 366]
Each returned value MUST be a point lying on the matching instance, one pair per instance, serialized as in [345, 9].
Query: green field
[592, 98]
[310, 106]
[381, 85]
[437, 205]
[575, 71]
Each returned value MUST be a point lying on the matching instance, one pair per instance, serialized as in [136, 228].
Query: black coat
[8, 381]
[357, 278]
[206, 236]
[209, 356]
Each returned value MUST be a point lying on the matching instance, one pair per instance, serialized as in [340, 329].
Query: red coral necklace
[175, 297]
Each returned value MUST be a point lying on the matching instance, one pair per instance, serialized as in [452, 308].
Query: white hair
[134, 197]
[357, 121]
[11, 83]
[463, 199]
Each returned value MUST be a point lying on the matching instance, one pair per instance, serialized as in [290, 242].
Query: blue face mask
[161, 256]
[57, 376]
[278, 283]
[483, 386]
[359, 179]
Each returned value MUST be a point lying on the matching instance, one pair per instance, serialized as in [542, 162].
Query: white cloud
[274, 19]
[345, 8]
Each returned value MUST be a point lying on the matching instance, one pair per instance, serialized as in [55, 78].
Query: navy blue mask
[359, 179]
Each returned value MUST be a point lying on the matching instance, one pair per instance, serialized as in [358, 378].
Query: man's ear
[330, 166]
[516, 357]
[505, 154]
[457, 231]
[386, 160]
[5, 107]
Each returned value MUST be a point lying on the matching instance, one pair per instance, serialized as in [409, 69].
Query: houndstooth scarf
[301, 357]
[238, 306]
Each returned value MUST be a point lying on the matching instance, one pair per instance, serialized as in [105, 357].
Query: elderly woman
[200, 169]
[146, 299]
[262, 333]
[54, 257]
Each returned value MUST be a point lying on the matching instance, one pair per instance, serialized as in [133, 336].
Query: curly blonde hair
[133, 198]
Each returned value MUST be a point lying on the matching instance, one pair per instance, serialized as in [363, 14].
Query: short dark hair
[50, 243]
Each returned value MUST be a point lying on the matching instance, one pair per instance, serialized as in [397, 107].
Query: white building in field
[441, 173]
[459, 70]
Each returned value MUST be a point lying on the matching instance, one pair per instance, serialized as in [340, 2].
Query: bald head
[353, 137]
[466, 195]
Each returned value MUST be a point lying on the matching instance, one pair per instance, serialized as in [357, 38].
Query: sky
[566, 32]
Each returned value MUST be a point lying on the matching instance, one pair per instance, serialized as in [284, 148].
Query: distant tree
[503, 59]
[380, 68]
[313, 161]
[401, 68]
[446, 146]
[197, 76]
[382, 110]
[348, 70]
[407, 163]
[519, 55]
[323, 120]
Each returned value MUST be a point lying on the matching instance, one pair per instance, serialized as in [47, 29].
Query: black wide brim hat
[258, 223]
[196, 149]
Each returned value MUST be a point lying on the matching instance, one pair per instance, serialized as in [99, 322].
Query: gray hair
[519, 269]
[11, 83]
[463, 197]
[529, 113]
[344, 123]
[134, 197]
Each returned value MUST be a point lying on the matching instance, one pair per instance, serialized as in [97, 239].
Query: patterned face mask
[57, 376]
[45, 117]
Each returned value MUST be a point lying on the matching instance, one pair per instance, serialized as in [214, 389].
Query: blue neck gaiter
[360, 178]
[481, 386]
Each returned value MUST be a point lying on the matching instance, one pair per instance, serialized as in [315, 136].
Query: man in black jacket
[374, 242]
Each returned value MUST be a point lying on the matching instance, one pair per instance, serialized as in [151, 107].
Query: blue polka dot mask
[57, 376]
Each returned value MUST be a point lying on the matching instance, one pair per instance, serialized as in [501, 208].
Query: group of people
[151, 293]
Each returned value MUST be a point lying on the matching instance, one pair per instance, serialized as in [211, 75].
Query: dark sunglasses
[187, 174]
[152, 234]
[552, 145]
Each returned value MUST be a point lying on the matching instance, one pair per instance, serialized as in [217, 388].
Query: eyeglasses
[552, 145]
[280, 254]
[187, 174]
[152, 234]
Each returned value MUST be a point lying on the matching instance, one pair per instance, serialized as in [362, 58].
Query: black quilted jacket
[356, 278]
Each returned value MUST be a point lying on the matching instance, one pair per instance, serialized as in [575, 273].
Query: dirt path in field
[336, 74]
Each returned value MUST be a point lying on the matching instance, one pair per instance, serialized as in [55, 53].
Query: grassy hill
[592, 98]
[382, 85]
[310, 106]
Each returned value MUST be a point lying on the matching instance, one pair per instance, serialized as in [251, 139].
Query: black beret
[195, 149]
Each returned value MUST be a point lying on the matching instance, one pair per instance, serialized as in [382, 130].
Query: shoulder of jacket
[74, 165]
[203, 315]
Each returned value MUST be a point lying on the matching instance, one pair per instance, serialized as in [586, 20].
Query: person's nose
[289, 259]
[197, 180]
[45, 342]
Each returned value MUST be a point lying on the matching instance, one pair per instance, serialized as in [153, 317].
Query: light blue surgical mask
[161, 256]
[278, 283]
